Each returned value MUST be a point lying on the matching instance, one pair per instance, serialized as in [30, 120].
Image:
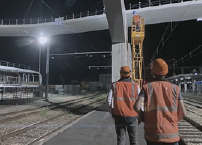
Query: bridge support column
[121, 55]
[121, 51]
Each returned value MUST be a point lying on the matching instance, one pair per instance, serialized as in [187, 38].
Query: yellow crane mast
[137, 37]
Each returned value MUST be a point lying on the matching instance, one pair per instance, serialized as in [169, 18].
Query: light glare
[43, 40]
[199, 19]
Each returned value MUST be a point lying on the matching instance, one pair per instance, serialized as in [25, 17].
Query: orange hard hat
[125, 71]
[159, 67]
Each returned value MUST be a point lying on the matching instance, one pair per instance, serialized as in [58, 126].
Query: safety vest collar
[124, 80]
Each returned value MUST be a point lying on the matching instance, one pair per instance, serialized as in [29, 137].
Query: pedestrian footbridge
[153, 13]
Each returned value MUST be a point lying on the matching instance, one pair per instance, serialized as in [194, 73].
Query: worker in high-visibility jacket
[163, 107]
[120, 101]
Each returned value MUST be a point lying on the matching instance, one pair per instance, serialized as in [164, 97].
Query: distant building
[65, 89]
[106, 80]
[94, 86]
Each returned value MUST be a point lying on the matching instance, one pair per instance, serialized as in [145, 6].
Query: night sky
[183, 39]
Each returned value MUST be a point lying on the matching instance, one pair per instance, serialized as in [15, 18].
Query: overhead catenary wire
[46, 4]
[157, 51]
[30, 5]
[99, 67]
[68, 25]
[82, 61]
[57, 28]
[162, 39]
[80, 36]
[81, 53]
[88, 42]
[72, 29]
[188, 56]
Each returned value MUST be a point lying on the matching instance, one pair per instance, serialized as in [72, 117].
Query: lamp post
[43, 41]
[47, 70]
[40, 57]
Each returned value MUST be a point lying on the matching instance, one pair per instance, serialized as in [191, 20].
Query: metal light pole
[44, 40]
[40, 58]
[47, 70]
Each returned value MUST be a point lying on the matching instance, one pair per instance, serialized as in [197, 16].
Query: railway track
[189, 134]
[190, 128]
[194, 98]
[15, 130]
[18, 114]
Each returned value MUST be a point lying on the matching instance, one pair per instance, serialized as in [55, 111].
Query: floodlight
[43, 40]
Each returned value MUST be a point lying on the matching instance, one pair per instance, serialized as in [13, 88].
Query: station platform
[94, 128]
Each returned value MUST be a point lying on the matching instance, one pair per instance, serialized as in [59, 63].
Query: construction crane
[137, 37]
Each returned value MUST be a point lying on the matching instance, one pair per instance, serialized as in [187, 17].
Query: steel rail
[43, 106]
[76, 111]
[18, 116]
[33, 110]
[49, 133]
[63, 104]
[28, 127]
[188, 133]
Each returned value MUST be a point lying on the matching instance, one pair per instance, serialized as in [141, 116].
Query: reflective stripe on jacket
[161, 122]
[124, 97]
